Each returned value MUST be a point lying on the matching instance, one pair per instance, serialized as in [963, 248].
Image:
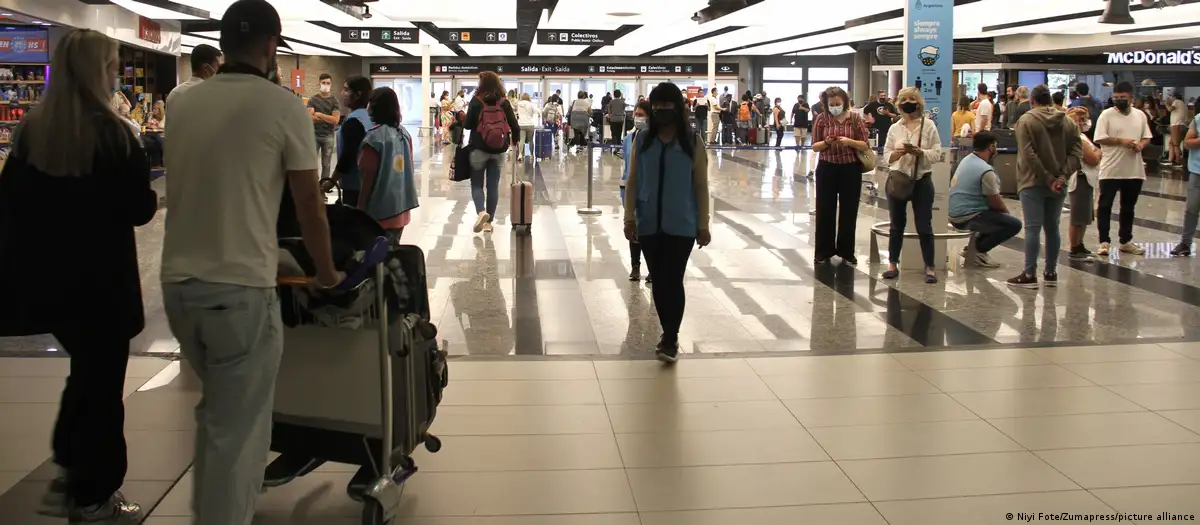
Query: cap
[252, 18]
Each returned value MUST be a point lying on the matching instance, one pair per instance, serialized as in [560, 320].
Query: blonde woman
[1081, 187]
[527, 117]
[912, 146]
[101, 183]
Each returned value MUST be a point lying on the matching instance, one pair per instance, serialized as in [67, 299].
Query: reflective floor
[822, 395]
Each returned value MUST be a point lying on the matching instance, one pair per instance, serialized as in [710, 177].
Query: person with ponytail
[389, 188]
[667, 205]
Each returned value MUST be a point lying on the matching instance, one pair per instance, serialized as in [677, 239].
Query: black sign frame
[353, 35]
[582, 69]
[495, 36]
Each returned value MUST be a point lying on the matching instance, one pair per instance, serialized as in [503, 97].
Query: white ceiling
[666, 23]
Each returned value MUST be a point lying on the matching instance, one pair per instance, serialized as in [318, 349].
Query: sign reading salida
[1154, 58]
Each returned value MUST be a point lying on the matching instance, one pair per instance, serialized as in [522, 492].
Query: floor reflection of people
[526, 320]
[834, 322]
[479, 305]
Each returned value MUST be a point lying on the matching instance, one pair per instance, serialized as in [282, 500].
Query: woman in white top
[527, 114]
[1081, 190]
[1179, 125]
[912, 146]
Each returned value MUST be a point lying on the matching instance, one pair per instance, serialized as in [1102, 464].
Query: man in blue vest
[975, 201]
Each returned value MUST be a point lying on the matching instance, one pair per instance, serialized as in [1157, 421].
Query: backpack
[550, 113]
[580, 119]
[744, 111]
[493, 126]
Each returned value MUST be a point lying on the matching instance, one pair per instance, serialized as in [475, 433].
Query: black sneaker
[636, 274]
[1079, 253]
[649, 279]
[1181, 250]
[852, 261]
[667, 351]
[1023, 281]
[1050, 279]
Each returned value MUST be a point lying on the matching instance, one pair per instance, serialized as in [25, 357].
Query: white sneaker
[115, 511]
[1133, 249]
[1103, 249]
[481, 221]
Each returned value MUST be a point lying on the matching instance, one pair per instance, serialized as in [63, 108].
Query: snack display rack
[21, 86]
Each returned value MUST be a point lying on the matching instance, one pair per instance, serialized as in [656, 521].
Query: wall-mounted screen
[1030, 79]
[24, 46]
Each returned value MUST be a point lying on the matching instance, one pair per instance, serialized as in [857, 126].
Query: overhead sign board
[575, 37]
[582, 69]
[381, 35]
[478, 36]
[1182, 57]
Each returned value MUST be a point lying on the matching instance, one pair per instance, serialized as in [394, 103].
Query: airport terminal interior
[808, 388]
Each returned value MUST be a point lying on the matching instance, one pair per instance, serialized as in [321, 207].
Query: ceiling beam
[1074, 16]
[620, 32]
[336, 29]
[319, 46]
[435, 32]
[528, 19]
[161, 4]
[697, 38]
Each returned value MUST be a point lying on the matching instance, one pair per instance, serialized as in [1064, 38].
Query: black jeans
[667, 256]
[778, 136]
[618, 131]
[1129, 190]
[991, 228]
[922, 204]
[89, 436]
[838, 190]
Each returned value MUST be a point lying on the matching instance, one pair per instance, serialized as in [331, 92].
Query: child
[641, 121]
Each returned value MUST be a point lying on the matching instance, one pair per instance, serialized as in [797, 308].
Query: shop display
[22, 83]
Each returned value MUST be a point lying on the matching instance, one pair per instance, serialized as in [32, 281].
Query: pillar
[427, 123]
[712, 66]
[861, 85]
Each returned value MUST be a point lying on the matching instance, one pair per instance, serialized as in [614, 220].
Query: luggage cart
[320, 354]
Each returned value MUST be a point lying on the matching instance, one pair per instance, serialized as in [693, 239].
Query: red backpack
[493, 126]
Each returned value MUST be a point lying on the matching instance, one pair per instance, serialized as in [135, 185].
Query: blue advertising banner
[929, 58]
[27, 47]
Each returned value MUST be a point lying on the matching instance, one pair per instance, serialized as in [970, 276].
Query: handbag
[460, 167]
[868, 158]
[899, 184]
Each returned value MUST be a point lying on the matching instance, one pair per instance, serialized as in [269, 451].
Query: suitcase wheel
[432, 443]
[372, 513]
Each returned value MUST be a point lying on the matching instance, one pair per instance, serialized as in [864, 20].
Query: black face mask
[1121, 104]
[909, 107]
[664, 117]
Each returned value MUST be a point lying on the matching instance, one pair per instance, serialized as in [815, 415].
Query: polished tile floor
[822, 395]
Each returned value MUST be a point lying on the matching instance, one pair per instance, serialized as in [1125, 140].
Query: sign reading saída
[381, 35]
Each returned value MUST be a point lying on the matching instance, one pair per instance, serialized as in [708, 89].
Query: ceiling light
[622, 14]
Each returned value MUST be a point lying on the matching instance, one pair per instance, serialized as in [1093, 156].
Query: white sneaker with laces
[1103, 249]
[115, 511]
[1132, 249]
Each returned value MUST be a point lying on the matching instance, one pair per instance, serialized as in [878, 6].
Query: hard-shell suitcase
[761, 136]
[521, 202]
[543, 143]
[752, 135]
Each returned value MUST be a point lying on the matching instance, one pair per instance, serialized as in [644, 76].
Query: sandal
[891, 274]
[931, 278]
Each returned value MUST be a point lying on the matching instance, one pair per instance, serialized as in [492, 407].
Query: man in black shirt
[883, 112]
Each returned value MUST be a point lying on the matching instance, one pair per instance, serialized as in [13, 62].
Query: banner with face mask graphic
[929, 58]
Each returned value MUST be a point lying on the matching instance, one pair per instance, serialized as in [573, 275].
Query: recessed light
[623, 14]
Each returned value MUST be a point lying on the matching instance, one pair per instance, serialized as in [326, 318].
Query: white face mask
[641, 122]
[1087, 124]
[326, 88]
[835, 110]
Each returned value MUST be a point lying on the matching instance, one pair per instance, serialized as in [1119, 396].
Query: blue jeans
[485, 167]
[1042, 209]
[232, 336]
[922, 204]
[1191, 215]
[992, 228]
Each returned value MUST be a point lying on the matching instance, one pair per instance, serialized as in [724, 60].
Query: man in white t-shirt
[714, 114]
[244, 139]
[1122, 132]
[205, 61]
[1179, 127]
[983, 112]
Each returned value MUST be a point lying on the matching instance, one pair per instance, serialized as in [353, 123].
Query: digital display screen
[24, 45]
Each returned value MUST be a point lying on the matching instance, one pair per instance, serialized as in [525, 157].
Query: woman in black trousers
[70, 264]
[666, 205]
[838, 136]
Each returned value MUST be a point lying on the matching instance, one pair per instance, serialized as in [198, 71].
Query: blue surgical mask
[835, 110]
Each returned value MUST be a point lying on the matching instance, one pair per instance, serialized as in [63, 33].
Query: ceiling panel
[451, 13]
[495, 50]
[829, 51]
[325, 37]
[555, 51]
[297, 48]
[588, 14]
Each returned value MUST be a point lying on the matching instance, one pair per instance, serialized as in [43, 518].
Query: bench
[883, 229]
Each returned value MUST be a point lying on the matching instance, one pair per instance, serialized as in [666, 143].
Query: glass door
[565, 88]
[469, 85]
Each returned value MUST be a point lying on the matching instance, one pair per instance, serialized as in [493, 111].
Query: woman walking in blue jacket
[641, 121]
[666, 205]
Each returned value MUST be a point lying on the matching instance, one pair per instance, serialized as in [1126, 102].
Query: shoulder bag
[899, 184]
[868, 158]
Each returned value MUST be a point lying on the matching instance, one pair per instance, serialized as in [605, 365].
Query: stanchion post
[589, 210]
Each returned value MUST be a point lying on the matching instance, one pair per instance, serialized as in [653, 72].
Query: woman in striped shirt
[838, 137]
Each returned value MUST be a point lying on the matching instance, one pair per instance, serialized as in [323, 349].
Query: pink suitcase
[521, 202]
